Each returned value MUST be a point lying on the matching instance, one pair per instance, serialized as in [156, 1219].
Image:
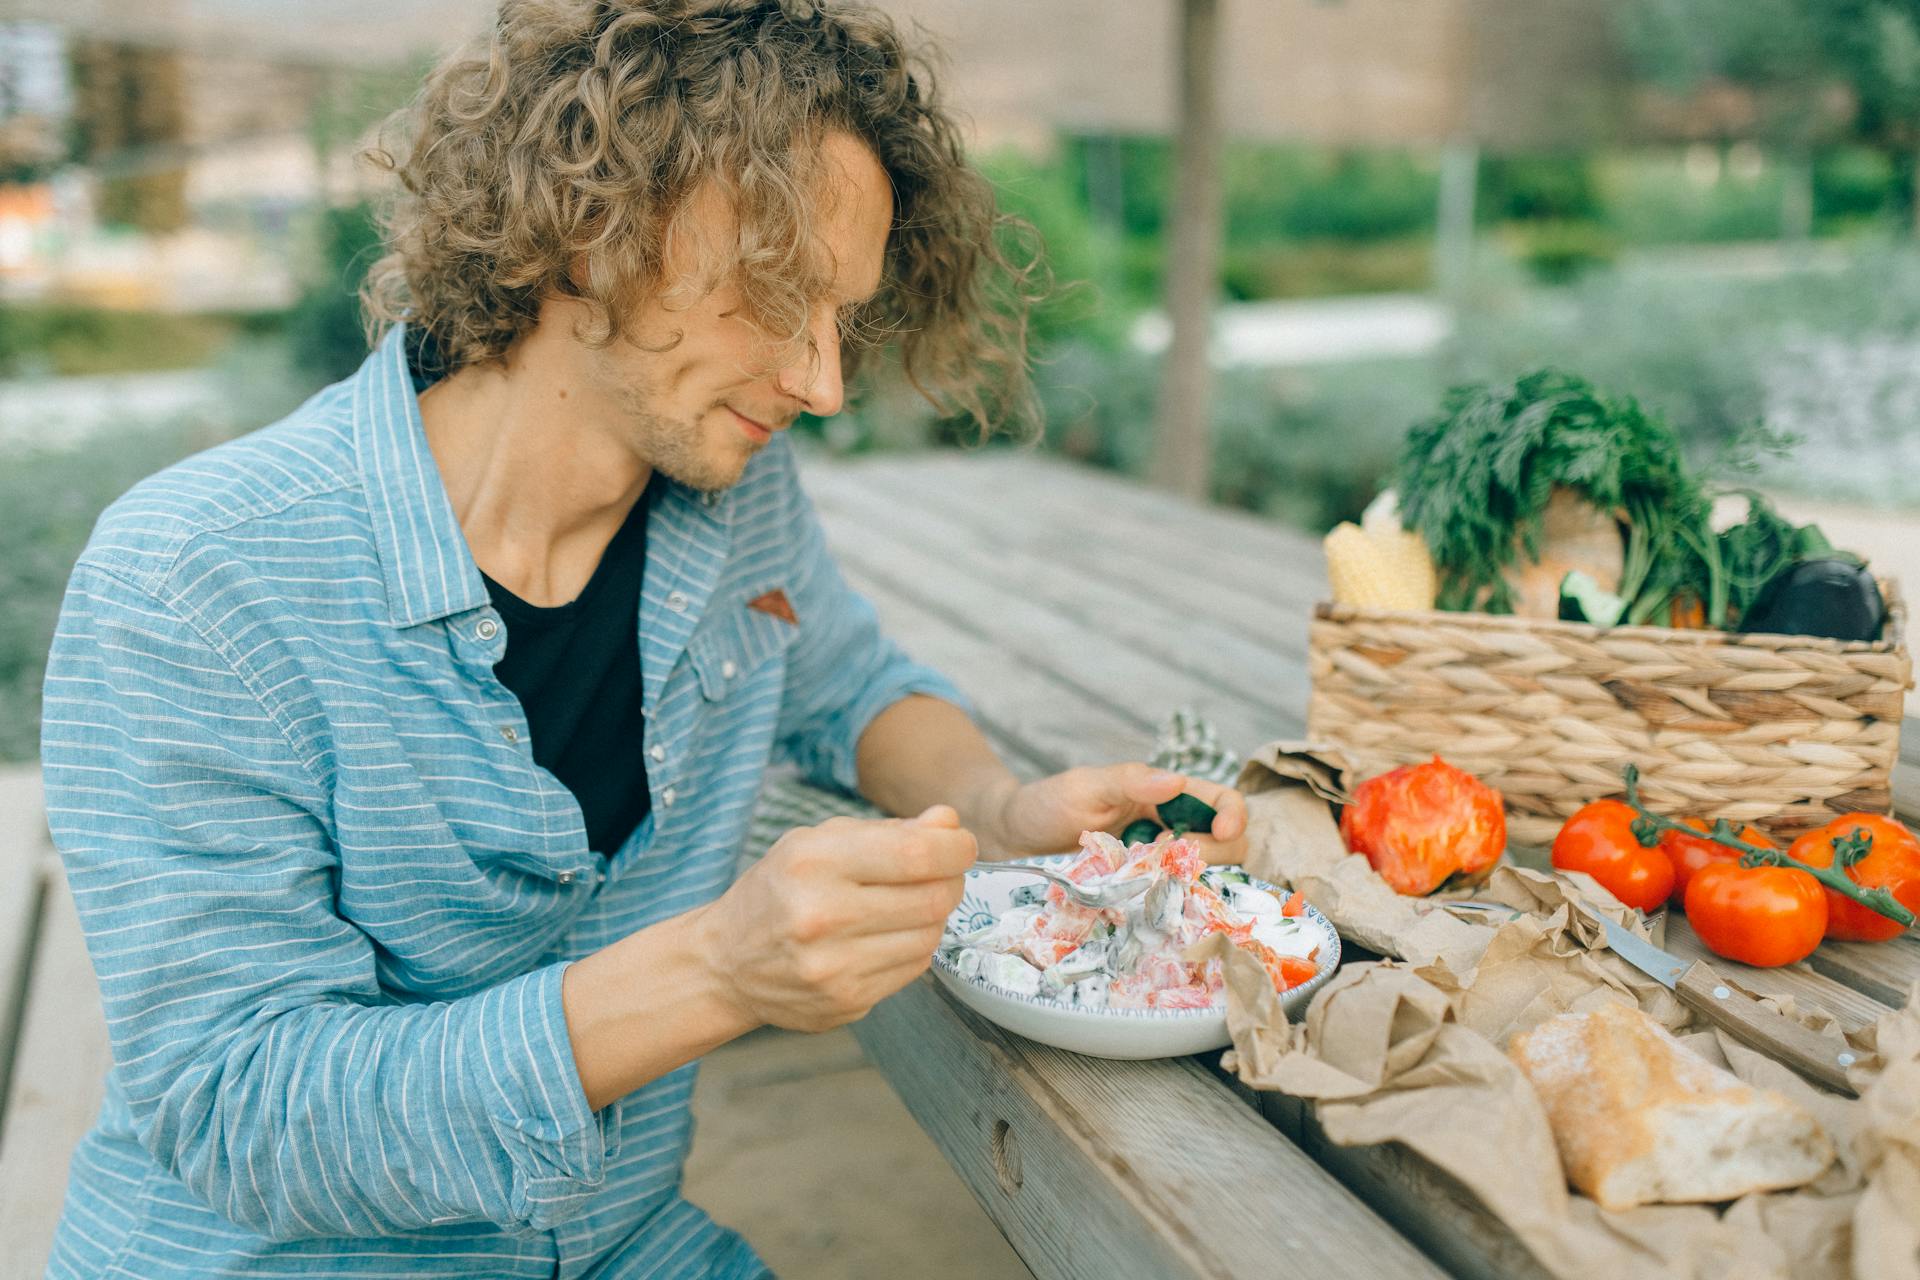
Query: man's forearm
[646, 1005]
[923, 751]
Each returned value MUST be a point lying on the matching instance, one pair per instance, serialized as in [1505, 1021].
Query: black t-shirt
[576, 669]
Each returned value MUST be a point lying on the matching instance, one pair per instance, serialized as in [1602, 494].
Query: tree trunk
[1183, 451]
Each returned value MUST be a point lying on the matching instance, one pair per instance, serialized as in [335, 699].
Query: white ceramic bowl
[1103, 1033]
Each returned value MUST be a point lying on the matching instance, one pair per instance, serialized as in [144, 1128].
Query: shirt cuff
[556, 1145]
[842, 756]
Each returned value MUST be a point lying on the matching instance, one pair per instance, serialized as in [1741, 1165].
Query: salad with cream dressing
[1133, 956]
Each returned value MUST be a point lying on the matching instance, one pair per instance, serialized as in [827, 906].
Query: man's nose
[814, 378]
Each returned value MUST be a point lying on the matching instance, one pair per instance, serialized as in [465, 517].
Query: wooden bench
[1077, 610]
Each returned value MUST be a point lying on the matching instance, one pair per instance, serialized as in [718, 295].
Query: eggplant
[1831, 596]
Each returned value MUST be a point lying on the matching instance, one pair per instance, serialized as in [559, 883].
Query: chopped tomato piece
[1295, 971]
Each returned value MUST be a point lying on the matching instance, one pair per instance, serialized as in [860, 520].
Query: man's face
[700, 409]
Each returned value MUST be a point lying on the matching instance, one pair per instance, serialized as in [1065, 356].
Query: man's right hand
[837, 917]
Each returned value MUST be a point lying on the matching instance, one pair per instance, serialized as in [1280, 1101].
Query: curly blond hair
[580, 130]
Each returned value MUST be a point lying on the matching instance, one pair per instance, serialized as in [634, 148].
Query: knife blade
[1740, 1015]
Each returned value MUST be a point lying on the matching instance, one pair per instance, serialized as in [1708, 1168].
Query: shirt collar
[429, 572]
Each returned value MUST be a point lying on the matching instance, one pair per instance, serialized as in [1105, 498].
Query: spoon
[1099, 896]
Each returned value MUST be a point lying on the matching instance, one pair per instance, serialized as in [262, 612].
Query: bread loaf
[1640, 1119]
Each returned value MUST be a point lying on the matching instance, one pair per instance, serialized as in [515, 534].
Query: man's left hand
[1048, 816]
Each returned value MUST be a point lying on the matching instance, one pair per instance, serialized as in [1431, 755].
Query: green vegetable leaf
[1476, 481]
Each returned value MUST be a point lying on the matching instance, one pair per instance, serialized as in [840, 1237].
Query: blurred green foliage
[324, 331]
[1544, 188]
[1697, 343]
[66, 339]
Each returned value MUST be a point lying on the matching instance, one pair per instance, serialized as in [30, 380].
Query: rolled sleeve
[557, 1145]
[257, 1052]
[842, 670]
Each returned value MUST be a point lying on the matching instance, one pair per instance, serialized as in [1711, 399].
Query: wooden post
[1453, 230]
[1183, 450]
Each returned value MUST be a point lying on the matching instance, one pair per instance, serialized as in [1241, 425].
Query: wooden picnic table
[1077, 610]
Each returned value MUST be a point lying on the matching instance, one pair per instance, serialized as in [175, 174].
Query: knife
[1740, 1015]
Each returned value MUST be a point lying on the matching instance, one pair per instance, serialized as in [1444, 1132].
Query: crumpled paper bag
[1413, 1051]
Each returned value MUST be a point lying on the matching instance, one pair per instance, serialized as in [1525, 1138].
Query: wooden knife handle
[1750, 1022]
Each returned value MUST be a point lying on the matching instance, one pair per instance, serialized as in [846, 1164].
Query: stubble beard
[680, 449]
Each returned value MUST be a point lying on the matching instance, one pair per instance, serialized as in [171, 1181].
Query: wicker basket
[1781, 731]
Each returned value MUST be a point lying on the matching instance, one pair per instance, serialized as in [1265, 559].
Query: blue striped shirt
[329, 895]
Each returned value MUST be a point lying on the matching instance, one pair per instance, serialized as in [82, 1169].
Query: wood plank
[58, 1082]
[24, 847]
[1119, 1169]
[1426, 1204]
[1076, 656]
[1024, 481]
[1257, 674]
[1113, 532]
[1022, 707]
[1423, 1203]
[1906, 793]
[1884, 971]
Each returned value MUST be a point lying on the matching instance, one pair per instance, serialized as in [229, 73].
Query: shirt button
[728, 669]
[567, 877]
[677, 601]
[666, 798]
[487, 629]
[510, 733]
[657, 754]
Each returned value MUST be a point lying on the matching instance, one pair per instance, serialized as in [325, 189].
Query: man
[399, 753]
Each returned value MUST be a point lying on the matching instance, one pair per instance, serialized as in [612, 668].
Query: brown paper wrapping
[1411, 1050]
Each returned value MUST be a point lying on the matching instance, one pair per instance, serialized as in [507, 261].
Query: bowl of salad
[1116, 982]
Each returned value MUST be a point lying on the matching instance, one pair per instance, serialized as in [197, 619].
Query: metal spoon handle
[1102, 897]
[1045, 873]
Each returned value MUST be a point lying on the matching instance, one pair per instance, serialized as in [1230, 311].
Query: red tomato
[1421, 824]
[1599, 840]
[1757, 915]
[1295, 905]
[1690, 853]
[1295, 971]
[1893, 864]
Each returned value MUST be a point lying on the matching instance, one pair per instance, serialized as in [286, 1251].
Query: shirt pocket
[735, 648]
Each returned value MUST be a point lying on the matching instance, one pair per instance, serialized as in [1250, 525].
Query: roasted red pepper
[1423, 824]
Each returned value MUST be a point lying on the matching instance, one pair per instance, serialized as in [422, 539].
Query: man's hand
[1048, 816]
[837, 917]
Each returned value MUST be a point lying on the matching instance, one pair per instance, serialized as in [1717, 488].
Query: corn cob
[1382, 568]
